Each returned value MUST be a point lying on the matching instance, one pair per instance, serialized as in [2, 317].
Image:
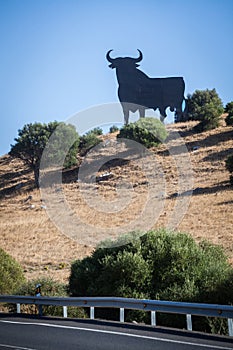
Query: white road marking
[116, 333]
[14, 347]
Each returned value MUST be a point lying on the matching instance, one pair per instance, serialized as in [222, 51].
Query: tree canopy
[33, 138]
[158, 265]
[146, 131]
[205, 106]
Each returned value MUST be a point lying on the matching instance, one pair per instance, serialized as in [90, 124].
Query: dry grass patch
[30, 237]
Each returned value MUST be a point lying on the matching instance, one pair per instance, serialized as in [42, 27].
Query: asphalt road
[24, 333]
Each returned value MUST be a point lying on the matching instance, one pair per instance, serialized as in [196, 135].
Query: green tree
[229, 119]
[205, 106]
[33, 138]
[229, 107]
[210, 118]
[11, 273]
[158, 265]
[146, 131]
[113, 129]
[229, 166]
[229, 110]
[97, 131]
[88, 141]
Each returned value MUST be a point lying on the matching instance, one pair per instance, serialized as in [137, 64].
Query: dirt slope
[31, 237]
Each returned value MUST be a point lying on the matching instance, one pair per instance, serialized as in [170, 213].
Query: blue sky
[53, 52]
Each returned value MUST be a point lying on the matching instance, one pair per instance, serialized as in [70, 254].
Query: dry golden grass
[32, 238]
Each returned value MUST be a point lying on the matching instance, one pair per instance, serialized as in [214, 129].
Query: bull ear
[111, 65]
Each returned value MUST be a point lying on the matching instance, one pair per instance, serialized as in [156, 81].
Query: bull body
[137, 91]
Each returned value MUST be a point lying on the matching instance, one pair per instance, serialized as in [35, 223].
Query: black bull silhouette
[137, 91]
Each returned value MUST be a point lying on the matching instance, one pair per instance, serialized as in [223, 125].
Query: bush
[197, 102]
[113, 129]
[96, 131]
[229, 118]
[210, 118]
[88, 141]
[147, 131]
[158, 265]
[49, 288]
[229, 166]
[229, 110]
[11, 273]
[205, 106]
[229, 107]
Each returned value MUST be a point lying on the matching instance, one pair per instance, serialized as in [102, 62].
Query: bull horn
[139, 58]
[109, 58]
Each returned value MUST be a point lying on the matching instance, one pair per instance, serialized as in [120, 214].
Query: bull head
[113, 61]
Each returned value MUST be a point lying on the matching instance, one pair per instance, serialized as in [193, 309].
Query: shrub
[11, 273]
[197, 102]
[49, 288]
[88, 141]
[158, 265]
[229, 119]
[205, 106]
[210, 118]
[96, 131]
[229, 166]
[147, 131]
[113, 129]
[229, 107]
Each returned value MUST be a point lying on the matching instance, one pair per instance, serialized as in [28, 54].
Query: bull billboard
[137, 91]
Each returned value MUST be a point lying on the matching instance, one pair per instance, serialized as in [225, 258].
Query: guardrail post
[92, 312]
[153, 318]
[18, 308]
[189, 322]
[122, 314]
[65, 311]
[230, 326]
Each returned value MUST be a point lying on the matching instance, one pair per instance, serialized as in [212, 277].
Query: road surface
[24, 333]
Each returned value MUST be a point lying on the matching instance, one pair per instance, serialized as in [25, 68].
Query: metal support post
[153, 318]
[122, 312]
[189, 322]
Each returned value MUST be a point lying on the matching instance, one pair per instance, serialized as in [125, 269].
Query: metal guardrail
[189, 309]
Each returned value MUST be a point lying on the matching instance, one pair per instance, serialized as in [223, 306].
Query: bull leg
[163, 114]
[126, 116]
[178, 114]
[141, 112]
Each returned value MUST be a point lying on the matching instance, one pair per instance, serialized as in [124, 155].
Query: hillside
[31, 237]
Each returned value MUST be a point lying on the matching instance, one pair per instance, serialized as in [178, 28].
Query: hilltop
[29, 236]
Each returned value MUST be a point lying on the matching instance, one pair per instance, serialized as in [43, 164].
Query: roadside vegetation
[158, 265]
[49, 288]
[161, 265]
[11, 273]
